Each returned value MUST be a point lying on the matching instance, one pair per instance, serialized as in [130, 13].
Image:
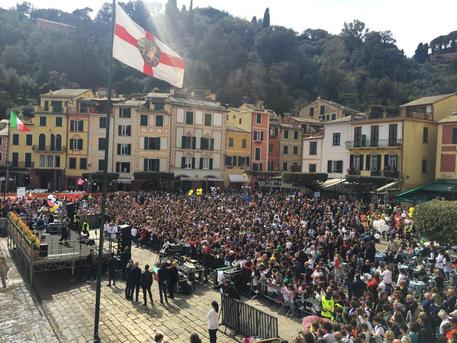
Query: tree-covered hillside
[233, 57]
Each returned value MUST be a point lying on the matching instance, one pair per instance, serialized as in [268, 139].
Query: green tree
[266, 18]
[436, 220]
[421, 53]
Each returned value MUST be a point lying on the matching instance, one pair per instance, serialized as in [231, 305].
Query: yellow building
[237, 155]
[433, 108]
[47, 143]
[325, 110]
[401, 149]
[239, 117]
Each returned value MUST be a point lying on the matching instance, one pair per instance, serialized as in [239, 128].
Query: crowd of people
[321, 255]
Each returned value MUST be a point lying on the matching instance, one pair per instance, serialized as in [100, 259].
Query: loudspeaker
[124, 238]
[70, 211]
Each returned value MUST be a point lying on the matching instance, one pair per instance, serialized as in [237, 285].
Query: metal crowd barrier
[247, 320]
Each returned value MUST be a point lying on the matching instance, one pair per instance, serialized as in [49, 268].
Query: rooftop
[155, 95]
[337, 105]
[193, 102]
[449, 119]
[427, 100]
[316, 136]
[65, 92]
[236, 129]
[347, 119]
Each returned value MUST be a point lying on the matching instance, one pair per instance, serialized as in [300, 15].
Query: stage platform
[53, 254]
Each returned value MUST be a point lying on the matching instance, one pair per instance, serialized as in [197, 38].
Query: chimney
[259, 104]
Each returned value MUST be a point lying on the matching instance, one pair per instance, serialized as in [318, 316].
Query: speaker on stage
[70, 211]
[124, 238]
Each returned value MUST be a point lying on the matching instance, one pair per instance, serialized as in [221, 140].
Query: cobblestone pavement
[20, 318]
[70, 305]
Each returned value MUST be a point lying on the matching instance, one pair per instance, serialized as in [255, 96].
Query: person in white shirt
[386, 276]
[213, 321]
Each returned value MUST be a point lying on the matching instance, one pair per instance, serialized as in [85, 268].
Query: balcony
[394, 174]
[20, 165]
[49, 149]
[381, 143]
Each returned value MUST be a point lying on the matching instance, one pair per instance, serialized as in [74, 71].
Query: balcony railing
[385, 173]
[20, 165]
[48, 148]
[381, 143]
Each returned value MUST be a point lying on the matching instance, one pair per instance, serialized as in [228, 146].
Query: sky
[411, 21]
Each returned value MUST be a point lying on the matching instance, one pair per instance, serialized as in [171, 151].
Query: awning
[238, 178]
[331, 183]
[387, 187]
[439, 188]
[201, 179]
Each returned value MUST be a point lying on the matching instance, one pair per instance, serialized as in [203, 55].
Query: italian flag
[15, 122]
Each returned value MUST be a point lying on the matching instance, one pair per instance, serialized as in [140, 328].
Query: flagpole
[105, 182]
[7, 170]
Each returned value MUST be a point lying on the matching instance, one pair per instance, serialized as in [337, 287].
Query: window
[286, 134]
[258, 118]
[58, 121]
[124, 149]
[42, 121]
[102, 122]
[15, 159]
[285, 149]
[82, 163]
[312, 168]
[322, 110]
[258, 136]
[311, 112]
[101, 165]
[240, 121]
[454, 136]
[295, 134]
[124, 130]
[188, 163]
[144, 120]
[151, 143]
[208, 119]
[42, 161]
[425, 135]
[257, 154]
[334, 166]
[46, 106]
[313, 148]
[56, 106]
[189, 118]
[72, 163]
[41, 142]
[336, 139]
[76, 125]
[271, 165]
[28, 140]
[159, 121]
[257, 166]
[243, 161]
[122, 167]
[125, 112]
[206, 163]
[424, 166]
[328, 117]
[188, 142]
[151, 165]
[158, 107]
[270, 148]
[295, 150]
[57, 161]
[206, 143]
[284, 166]
[28, 160]
[76, 144]
[230, 143]
[243, 143]
[357, 136]
[393, 129]
[15, 139]
[333, 116]
[374, 137]
[101, 143]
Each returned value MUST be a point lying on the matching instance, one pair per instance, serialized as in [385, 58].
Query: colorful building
[274, 145]
[291, 141]
[237, 155]
[325, 110]
[446, 148]
[312, 153]
[197, 140]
